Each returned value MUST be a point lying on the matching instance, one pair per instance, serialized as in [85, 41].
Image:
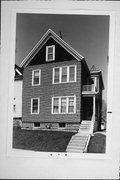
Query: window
[71, 104]
[36, 77]
[64, 105]
[57, 76]
[64, 74]
[61, 125]
[35, 106]
[72, 73]
[56, 105]
[50, 53]
[36, 124]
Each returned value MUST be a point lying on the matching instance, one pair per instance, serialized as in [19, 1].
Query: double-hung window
[55, 105]
[56, 75]
[50, 53]
[35, 102]
[64, 105]
[36, 75]
[64, 74]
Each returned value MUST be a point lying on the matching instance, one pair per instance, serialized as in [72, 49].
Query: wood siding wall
[47, 90]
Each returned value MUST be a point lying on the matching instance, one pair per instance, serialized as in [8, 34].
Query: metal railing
[92, 124]
[91, 132]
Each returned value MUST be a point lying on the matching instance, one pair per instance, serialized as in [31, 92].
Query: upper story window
[50, 53]
[64, 74]
[36, 74]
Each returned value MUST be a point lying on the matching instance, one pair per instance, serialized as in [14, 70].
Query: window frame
[47, 47]
[59, 105]
[32, 105]
[68, 74]
[33, 77]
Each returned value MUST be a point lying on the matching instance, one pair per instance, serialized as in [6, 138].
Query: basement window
[61, 125]
[36, 124]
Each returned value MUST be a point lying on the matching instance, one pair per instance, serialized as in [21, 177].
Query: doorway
[87, 108]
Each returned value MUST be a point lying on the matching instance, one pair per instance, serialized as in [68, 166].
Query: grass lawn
[38, 140]
[97, 143]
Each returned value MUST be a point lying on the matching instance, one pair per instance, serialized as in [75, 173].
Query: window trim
[60, 74]
[33, 77]
[38, 105]
[67, 102]
[47, 47]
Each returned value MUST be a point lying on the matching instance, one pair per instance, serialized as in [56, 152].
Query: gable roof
[43, 40]
[95, 72]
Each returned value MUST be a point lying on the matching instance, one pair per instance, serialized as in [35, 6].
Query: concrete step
[86, 122]
[75, 151]
[77, 142]
[84, 127]
[79, 137]
[76, 148]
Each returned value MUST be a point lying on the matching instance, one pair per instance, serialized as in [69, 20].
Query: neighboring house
[17, 104]
[59, 90]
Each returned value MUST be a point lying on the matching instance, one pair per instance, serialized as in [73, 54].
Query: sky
[87, 34]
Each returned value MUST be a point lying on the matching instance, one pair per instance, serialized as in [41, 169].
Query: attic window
[50, 53]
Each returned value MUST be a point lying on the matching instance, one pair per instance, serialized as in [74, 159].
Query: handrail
[91, 132]
[86, 146]
[92, 123]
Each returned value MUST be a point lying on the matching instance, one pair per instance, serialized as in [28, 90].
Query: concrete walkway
[78, 141]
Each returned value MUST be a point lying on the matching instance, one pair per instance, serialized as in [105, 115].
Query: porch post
[94, 105]
[93, 123]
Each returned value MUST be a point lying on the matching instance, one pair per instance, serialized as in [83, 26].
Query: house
[59, 90]
[17, 102]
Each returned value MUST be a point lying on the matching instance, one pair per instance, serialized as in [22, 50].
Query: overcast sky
[87, 34]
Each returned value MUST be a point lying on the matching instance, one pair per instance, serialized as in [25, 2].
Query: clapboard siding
[46, 90]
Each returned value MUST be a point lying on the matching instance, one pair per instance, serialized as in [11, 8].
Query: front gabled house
[59, 90]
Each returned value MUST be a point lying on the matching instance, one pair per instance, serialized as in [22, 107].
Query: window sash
[56, 105]
[56, 75]
[63, 105]
[64, 74]
[71, 102]
[71, 74]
